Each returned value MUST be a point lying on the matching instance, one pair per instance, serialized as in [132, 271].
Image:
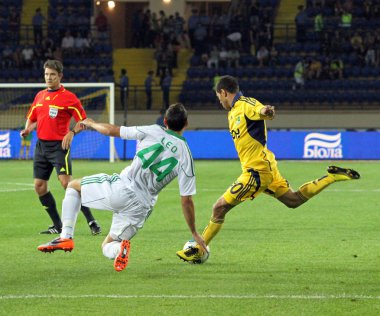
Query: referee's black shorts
[49, 155]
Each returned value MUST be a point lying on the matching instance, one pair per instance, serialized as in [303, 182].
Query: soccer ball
[192, 244]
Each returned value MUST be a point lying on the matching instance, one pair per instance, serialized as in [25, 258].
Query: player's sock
[111, 249]
[87, 213]
[70, 210]
[212, 229]
[48, 202]
[309, 189]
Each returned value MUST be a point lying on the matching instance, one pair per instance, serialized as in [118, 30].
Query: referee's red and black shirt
[53, 110]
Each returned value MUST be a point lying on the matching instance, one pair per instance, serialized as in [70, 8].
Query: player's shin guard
[50, 206]
[309, 189]
[213, 227]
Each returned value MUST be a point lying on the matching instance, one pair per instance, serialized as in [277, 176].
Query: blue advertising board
[217, 144]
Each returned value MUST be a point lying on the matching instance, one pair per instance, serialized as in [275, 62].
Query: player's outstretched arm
[103, 128]
[189, 213]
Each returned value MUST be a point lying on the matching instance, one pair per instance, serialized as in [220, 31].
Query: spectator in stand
[184, 40]
[7, 58]
[37, 22]
[223, 57]
[192, 24]
[273, 56]
[88, 44]
[233, 57]
[254, 15]
[149, 81]
[124, 87]
[336, 68]
[83, 21]
[235, 39]
[213, 61]
[179, 22]
[38, 57]
[370, 48]
[101, 23]
[335, 44]
[301, 23]
[79, 44]
[314, 70]
[14, 24]
[48, 48]
[27, 56]
[318, 25]
[165, 86]
[137, 29]
[299, 75]
[200, 39]
[356, 42]
[345, 19]
[67, 44]
[160, 119]
[60, 24]
[262, 56]
[368, 7]
[17, 57]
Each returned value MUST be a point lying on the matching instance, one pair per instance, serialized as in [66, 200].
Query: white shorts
[105, 192]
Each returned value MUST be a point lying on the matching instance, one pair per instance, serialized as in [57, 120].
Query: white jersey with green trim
[161, 155]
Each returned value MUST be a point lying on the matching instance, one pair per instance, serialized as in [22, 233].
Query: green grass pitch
[320, 259]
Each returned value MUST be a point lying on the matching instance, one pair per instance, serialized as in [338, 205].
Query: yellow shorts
[25, 142]
[251, 183]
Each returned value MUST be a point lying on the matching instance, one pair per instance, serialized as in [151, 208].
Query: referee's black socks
[87, 213]
[48, 203]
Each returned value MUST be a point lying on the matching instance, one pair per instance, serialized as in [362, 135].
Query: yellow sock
[212, 229]
[309, 189]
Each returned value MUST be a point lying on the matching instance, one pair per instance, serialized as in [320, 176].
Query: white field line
[210, 296]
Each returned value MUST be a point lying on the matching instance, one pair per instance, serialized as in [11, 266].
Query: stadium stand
[89, 51]
[356, 86]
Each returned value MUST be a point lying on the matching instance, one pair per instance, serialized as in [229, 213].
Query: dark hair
[54, 64]
[176, 117]
[124, 71]
[228, 83]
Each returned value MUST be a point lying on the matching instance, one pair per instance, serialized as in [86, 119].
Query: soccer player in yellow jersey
[260, 173]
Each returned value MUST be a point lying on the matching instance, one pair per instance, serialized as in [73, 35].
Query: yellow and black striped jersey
[249, 133]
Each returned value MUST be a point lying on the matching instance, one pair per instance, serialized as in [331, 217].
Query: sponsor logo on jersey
[5, 146]
[323, 146]
[47, 98]
[53, 112]
[237, 120]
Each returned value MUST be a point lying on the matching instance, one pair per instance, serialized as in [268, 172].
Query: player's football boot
[52, 230]
[191, 254]
[342, 174]
[121, 261]
[66, 244]
[95, 228]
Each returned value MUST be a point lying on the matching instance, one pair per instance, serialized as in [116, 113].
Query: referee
[51, 112]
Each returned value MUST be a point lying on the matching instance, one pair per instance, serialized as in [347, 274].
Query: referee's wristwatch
[74, 132]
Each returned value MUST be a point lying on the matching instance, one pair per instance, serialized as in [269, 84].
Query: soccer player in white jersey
[162, 154]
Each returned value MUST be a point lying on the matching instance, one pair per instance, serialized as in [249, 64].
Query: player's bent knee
[291, 200]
